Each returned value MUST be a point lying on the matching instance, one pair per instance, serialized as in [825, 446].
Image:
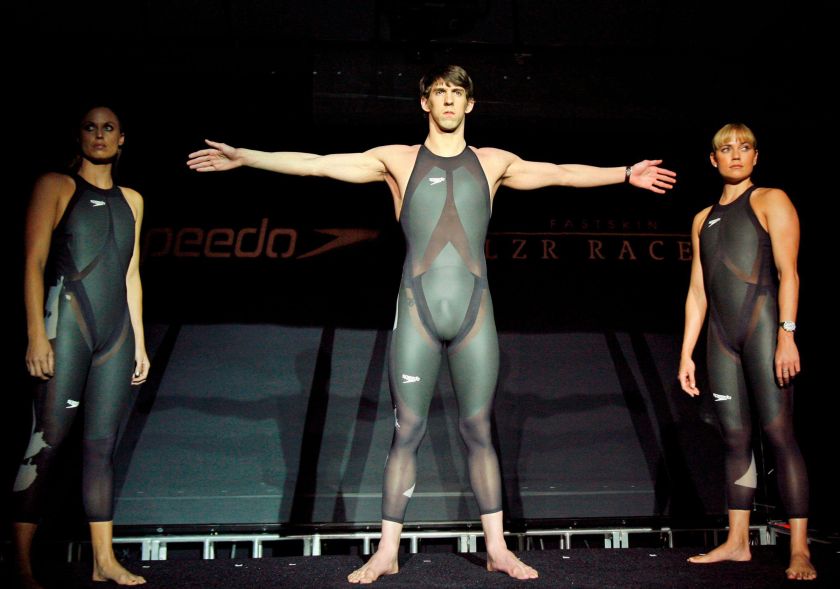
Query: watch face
[788, 325]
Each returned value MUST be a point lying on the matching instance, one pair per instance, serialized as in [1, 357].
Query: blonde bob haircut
[737, 131]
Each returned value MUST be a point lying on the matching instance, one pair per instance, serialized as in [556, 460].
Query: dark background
[605, 83]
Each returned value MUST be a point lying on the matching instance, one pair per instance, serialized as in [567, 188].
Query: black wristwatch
[789, 326]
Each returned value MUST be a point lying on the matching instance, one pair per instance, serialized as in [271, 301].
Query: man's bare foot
[800, 568]
[378, 565]
[505, 561]
[726, 551]
[114, 571]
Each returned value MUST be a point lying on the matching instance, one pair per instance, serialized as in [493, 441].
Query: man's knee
[409, 432]
[475, 431]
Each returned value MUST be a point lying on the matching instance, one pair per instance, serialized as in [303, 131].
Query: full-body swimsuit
[444, 303]
[89, 327]
[739, 277]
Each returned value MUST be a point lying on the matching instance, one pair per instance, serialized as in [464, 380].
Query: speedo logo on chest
[713, 222]
[433, 181]
[97, 203]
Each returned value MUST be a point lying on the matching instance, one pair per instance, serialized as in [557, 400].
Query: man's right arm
[346, 167]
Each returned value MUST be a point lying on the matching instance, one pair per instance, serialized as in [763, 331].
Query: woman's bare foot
[506, 561]
[112, 570]
[800, 568]
[378, 565]
[734, 551]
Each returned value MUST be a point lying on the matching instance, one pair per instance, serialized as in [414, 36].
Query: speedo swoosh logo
[408, 379]
[719, 398]
[433, 181]
[712, 222]
[341, 238]
[71, 404]
[97, 203]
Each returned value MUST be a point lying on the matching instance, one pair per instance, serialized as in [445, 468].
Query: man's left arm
[526, 175]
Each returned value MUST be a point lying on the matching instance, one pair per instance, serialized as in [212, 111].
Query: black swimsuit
[89, 327]
[740, 281]
[444, 302]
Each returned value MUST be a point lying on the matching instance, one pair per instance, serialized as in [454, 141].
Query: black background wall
[606, 83]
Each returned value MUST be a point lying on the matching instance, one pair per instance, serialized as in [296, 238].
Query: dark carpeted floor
[577, 568]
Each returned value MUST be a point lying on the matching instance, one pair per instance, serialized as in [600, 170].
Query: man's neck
[445, 144]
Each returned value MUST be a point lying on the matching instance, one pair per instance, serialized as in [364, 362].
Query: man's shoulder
[495, 162]
[394, 150]
[494, 157]
[492, 152]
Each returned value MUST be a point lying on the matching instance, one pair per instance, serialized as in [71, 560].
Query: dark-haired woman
[86, 344]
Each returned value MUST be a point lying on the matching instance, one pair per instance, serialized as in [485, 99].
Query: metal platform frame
[155, 547]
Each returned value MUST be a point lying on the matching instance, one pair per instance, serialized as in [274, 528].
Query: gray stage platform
[273, 424]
